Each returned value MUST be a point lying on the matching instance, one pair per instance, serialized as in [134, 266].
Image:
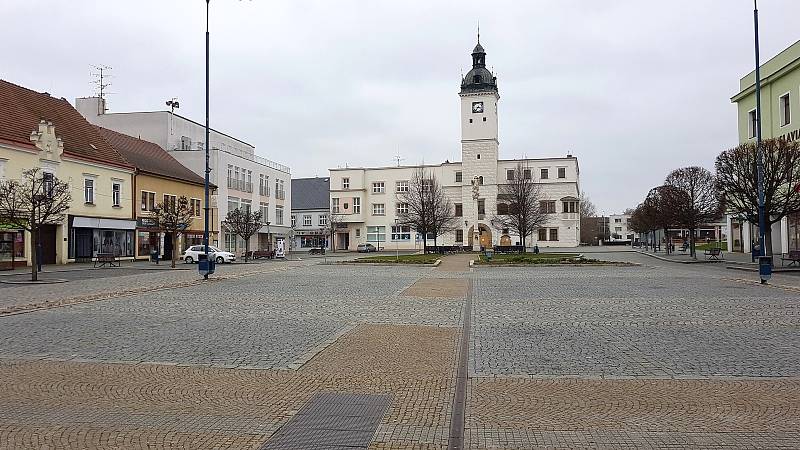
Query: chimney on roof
[91, 107]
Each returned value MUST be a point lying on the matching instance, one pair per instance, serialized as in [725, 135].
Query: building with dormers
[38, 130]
[367, 199]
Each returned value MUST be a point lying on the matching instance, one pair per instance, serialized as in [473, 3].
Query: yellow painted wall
[72, 170]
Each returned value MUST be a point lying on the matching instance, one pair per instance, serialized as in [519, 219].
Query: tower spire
[479, 31]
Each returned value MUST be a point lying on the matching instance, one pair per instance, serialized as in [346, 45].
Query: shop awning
[94, 222]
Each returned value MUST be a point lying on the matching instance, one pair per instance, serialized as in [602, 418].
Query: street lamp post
[765, 269]
[207, 169]
[396, 243]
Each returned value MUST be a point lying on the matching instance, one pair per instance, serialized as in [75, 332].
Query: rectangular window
[264, 207]
[785, 110]
[402, 208]
[459, 210]
[47, 185]
[88, 190]
[358, 232]
[402, 186]
[542, 234]
[345, 183]
[752, 123]
[547, 206]
[376, 235]
[459, 235]
[617, 228]
[378, 209]
[570, 207]
[553, 234]
[526, 174]
[401, 233]
[481, 206]
[335, 205]
[459, 176]
[544, 174]
[247, 206]
[378, 187]
[249, 185]
[323, 220]
[279, 215]
[307, 220]
[233, 203]
[148, 201]
[196, 207]
[116, 193]
[294, 221]
[562, 172]
[356, 205]
[169, 202]
[510, 174]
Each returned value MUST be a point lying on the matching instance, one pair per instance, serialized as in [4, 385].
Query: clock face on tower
[477, 107]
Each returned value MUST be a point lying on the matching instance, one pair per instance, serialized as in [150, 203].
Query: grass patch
[538, 258]
[430, 258]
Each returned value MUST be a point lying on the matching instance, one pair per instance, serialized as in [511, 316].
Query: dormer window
[476, 79]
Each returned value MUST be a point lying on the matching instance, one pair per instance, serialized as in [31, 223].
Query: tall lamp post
[208, 169]
[396, 241]
[765, 263]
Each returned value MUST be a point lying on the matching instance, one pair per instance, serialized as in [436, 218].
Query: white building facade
[243, 179]
[310, 214]
[618, 229]
[367, 198]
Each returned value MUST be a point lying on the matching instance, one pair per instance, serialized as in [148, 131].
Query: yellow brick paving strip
[106, 295]
[51, 404]
[437, 288]
[568, 413]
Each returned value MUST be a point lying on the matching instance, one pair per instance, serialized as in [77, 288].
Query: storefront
[12, 249]
[149, 238]
[306, 239]
[89, 236]
[794, 231]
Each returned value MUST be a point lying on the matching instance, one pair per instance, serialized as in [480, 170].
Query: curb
[697, 261]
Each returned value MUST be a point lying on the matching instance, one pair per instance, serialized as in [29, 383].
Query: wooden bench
[714, 253]
[258, 254]
[509, 249]
[793, 256]
[108, 259]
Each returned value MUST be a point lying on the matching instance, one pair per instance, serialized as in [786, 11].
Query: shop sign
[146, 222]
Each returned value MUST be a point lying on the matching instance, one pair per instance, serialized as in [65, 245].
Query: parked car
[192, 254]
[366, 248]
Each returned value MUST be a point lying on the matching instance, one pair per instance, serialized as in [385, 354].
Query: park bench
[713, 253]
[317, 251]
[793, 256]
[509, 249]
[258, 254]
[108, 259]
[684, 247]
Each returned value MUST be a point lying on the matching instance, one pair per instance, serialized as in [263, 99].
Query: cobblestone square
[648, 356]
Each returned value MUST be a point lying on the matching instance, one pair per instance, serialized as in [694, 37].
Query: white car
[192, 254]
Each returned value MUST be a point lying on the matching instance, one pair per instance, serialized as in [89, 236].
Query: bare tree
[243, 223]
[418, 214]
[518, 207]
[698, 201]
[736, 178]
[173, 217]
[662, 200]
[335, 221]
[38, 199]
[643, 220]
[443, 218]
[587, 208]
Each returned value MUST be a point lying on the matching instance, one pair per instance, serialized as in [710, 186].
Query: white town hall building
[368, 202]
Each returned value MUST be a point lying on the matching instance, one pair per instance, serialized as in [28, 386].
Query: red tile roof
[21, 110]
[149, 157]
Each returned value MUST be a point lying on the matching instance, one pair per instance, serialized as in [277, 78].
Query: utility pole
[764, 272]
[208, 168]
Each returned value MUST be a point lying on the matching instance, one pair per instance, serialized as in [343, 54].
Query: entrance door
[344, 241]
[167, 246]
[48, 242]
[83, 244]
[486, 237]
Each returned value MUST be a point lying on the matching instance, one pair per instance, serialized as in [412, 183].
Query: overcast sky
[632, 88]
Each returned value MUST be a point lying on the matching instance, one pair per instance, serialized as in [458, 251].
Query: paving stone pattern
[630, 322]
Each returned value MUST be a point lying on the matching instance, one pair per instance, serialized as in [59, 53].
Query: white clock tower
[479, 147]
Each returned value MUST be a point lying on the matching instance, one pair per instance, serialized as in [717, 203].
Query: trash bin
[765, 268]
[489, 253]
[205, 265]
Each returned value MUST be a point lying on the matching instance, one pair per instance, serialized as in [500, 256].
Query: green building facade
[780, 111]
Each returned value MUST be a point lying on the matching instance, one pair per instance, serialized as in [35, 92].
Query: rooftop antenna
[101, 82]
[479, 31]
[397, 157]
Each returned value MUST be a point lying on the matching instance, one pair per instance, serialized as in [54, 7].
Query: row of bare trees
[692, 196]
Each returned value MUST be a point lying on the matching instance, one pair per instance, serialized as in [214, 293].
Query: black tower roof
[479, 79]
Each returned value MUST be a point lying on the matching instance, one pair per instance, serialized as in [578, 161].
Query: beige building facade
[368, 198]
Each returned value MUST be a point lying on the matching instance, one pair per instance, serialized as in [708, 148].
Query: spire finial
[479, 31]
